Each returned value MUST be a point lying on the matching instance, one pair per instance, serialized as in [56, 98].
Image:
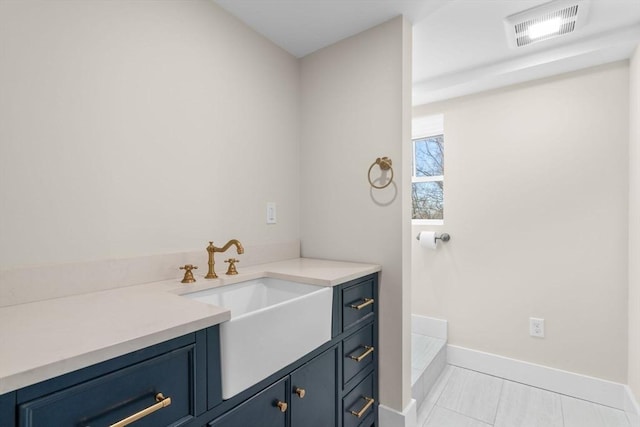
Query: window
[428, 170]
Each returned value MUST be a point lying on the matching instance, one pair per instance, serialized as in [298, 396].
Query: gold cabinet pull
[367, 301]
[163, 402]
[364, 409]
[300, 392]
[282, 405]
[367, 351]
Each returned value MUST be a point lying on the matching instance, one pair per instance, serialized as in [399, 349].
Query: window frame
[430, 132]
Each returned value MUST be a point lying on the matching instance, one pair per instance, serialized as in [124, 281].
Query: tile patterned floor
[464, 398]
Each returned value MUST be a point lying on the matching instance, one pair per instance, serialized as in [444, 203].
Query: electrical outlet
[536, 327]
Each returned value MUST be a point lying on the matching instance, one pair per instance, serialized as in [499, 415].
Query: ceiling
[459, 46]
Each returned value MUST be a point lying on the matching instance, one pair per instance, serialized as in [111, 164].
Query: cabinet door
[314, 392]
[265, 409]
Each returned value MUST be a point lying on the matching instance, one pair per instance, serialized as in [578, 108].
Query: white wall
[135, 127]
[132, 128]
[536, 191]
[352, 112]
[634, 226]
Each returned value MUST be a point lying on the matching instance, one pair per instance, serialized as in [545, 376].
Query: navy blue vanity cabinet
[335, 385]
[161, 385]
[359, 378]
[358, 354]
[214, 382]
[314, 392]
[266, 409]
[307, 397]
[359, 404]
[358, 302]
[8, 409]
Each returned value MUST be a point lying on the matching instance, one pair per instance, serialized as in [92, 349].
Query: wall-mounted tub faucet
[211, 274]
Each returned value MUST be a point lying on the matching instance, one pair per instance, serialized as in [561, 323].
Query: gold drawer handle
[368, 350]
[367, 301]
[163, 402]
[300, 392]
[282, 406]
[364, 409]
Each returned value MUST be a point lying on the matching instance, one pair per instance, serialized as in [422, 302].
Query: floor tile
[580, 413]
[441, 417]
[472, 394]
[634, 419]
[525, 406]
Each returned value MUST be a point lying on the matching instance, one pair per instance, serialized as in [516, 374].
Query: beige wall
[634, 226]
[135, 127]
[536, 198]
[352, 112]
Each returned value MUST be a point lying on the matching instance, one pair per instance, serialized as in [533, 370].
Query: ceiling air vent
[546, 21]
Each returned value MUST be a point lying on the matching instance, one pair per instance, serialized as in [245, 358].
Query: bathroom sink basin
[273, 323]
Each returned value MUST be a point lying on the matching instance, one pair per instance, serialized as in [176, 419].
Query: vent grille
[547, 21]
[567, 16]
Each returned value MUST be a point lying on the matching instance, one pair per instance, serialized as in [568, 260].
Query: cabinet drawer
[358, 353]
[359, 406]
[357, 303]
[261, 410]
[120, 394]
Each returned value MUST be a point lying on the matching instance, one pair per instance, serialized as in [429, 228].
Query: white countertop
[44, 339]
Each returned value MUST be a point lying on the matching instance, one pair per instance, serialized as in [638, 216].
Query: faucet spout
[211, 249]
[231, 242]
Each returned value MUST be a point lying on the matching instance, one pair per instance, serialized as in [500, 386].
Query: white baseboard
[429, 326]
[388, 417]
[593, 389]
[630, 402]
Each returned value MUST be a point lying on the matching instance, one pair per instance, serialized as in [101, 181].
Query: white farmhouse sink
[273, 323]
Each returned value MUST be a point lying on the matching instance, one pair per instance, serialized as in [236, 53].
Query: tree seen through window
[428, 178]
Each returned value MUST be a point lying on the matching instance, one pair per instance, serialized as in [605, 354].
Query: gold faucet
[232, 270]
[211, 274]
[188, 275]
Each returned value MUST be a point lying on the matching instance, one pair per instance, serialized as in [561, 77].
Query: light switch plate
[271, 213]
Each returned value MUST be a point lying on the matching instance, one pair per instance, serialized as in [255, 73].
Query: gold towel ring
[385, 164]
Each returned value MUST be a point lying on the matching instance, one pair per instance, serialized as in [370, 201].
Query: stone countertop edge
[40, 339]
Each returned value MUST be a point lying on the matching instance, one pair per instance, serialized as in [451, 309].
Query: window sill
[427, 222]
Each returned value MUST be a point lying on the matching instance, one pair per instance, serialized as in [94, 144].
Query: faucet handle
[188, 274]
[232, 266]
